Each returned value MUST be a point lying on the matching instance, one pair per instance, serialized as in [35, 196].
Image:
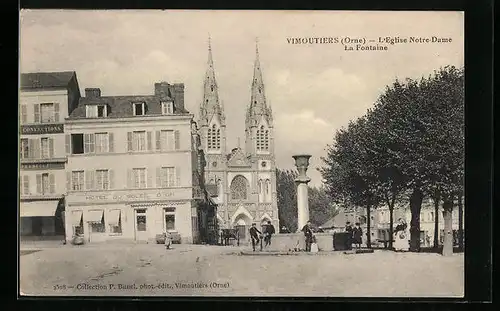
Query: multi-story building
[246, 178]
[427, 222]
[46, 98]
[135, 168]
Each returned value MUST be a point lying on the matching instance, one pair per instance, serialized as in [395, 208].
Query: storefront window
[141, 222]
[170, 221]
[98, 226]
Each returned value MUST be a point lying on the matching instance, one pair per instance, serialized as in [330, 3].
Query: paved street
[146, 269]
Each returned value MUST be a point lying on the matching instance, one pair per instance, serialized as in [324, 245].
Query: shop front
[130, 215]
[41, 219]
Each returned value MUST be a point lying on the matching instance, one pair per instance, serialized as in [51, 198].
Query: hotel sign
[147, 195]
[42, 129]
[42, 166]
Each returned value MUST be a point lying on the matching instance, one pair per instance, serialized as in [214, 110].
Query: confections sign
[42, 129]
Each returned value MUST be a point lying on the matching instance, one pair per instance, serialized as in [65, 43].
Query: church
[245, 177]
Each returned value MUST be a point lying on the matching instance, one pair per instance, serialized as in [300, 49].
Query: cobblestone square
[194, 270]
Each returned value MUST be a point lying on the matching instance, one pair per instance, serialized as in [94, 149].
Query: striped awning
[38, 208]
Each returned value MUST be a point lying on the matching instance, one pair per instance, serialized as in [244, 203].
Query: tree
[321, 208]
[287, 198]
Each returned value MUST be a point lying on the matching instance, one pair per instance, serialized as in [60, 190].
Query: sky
[313, 89]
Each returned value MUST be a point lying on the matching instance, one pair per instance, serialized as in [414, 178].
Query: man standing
[348, 229]
[308, 235]
[254, 235]
[269, 232]
[357, 235]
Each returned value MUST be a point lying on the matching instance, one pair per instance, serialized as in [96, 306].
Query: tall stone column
[302, 163]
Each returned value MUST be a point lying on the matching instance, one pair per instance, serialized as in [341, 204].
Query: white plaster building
[135, 168]
[46, 98]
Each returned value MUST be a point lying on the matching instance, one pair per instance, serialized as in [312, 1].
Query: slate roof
[121, 106]
[46, 80]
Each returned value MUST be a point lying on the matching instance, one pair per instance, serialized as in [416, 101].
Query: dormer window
[167, 108]
[96, 111]
[139, 109]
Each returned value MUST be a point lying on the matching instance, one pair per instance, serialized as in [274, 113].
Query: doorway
[141, 227]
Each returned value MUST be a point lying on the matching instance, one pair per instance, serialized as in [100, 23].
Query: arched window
[213, 138]
[239, 187]
[268, 187]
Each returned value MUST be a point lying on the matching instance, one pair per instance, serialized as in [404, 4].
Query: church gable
[238, 159]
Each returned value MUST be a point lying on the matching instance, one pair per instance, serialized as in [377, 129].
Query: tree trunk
[460, 224]
[391, 225]
[368, 228]
[415, 206]
[436, 222]
[448, 232]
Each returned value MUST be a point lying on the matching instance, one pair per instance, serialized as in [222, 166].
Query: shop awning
[76, 218]
[38, 208]
[114, 217]
[94, 216]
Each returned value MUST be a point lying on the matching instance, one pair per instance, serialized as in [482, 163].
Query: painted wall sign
[42, 129]
[150, 195]
[42, 166]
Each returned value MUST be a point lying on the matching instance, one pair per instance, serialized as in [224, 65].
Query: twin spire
[211, 105]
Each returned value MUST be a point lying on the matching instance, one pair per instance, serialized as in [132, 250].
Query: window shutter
[68, 181]
[86, 139]
[36, 108]
[31, 150]
[178, 176]
[158, 177]
[26, 184]
[38, 144]
[158, 140]
[129, 141]
[24, 114]
[56, 112]
[51, 148]
[111, 142]
[150, 143]
[52, 183]
[129, 178]
[89, 180]
[111, 179]
[68, 143]
[92, 142]
[177, 140]
[149, 178]
[38, 183]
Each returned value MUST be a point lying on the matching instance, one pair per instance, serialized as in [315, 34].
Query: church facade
[245, 177]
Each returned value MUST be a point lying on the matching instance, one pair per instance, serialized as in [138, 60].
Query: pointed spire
[210, 105]
[258, 106]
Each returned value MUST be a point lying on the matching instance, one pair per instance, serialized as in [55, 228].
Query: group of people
[400, 235]
[354, 235]
[266, 235]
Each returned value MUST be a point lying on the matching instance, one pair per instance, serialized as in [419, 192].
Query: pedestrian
[254, 235]
[357, 234]
[308, 235]
[401, 236]
[348, 230]
[269, 233]
[168, 240]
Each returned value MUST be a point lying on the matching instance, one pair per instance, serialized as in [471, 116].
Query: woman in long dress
[401, 236]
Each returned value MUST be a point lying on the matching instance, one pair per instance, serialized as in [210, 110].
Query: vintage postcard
[241, 153]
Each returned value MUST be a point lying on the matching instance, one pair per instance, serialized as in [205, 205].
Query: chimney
[178, 96]
[92, 92]
[162, 89]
